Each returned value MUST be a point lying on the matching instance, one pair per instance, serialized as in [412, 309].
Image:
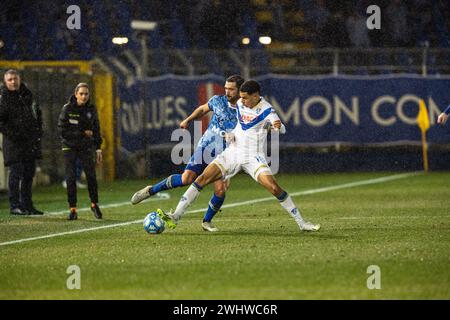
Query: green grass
[403, 226]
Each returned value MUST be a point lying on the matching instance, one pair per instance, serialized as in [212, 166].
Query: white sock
[292, 209]
[188, 197]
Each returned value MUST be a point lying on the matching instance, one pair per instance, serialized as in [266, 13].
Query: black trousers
[86, 158]
[20, 181]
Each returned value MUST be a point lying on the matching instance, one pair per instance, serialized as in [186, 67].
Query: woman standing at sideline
[79, 130]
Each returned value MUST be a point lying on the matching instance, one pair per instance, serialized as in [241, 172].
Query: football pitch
[383, 236]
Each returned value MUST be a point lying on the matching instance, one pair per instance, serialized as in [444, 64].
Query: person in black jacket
[80, 135]
[21, 126]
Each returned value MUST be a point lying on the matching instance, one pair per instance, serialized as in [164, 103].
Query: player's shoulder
[217, 102]
[216, 99]
[264, 104]
[239, 103]
[66, 107]
[265, 107]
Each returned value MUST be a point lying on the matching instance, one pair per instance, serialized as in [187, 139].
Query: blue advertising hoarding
[316, 110]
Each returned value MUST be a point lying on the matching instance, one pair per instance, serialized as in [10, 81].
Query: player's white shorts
[231, 161]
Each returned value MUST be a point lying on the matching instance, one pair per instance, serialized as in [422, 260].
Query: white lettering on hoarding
[315, 111]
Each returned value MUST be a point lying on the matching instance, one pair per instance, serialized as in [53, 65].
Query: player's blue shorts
[198, 162]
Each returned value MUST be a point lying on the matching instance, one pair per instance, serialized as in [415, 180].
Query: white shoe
[308, 226]
[81, 185]
[141, 195]
[208, 226]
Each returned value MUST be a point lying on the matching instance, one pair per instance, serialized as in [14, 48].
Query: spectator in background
[21, 126]
[213, 19]
[80, 135]
[317, 19]
[279, 25]
[217, 17]
[357, 29]
[396, 17]
[422, 20]
[334, 33]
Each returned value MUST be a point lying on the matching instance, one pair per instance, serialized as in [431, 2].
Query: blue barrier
[349, 110]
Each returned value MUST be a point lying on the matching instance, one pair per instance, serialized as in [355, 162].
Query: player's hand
[229, 137]
[277, 124]
[99, 156]
[88, 133]
[442, 119]
[184, 124]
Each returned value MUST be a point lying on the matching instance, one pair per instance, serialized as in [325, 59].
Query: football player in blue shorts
[211, 144]
[245, 153]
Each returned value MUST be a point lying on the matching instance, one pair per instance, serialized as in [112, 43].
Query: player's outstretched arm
[442, 119]
[196, 114]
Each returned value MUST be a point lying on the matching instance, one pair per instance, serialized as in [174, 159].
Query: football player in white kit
[245, 152]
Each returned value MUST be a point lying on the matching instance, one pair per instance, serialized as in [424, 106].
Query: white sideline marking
[242, 203]
[324, 189]
[392, 217]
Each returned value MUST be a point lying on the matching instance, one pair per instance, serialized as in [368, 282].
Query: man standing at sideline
[21, 126]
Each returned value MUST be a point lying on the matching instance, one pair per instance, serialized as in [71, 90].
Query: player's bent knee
[220, 189]
[220, 192]
[202, 180]
[188, 178]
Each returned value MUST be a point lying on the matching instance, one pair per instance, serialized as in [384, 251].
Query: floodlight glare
[143, 25]
[120, 40]
[265, 40]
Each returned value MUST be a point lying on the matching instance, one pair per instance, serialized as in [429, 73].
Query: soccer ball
[153, 224]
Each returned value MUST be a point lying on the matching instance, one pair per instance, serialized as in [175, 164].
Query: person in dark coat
[21, 126]
[80, 136]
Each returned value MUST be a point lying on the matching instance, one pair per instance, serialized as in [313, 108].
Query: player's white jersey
[251, 129]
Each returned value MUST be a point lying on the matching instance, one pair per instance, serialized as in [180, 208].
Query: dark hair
[250, 87]
[12, 71]
[236, 79]
[81, 85]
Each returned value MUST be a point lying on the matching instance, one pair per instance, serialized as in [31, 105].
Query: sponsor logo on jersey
[247, 117]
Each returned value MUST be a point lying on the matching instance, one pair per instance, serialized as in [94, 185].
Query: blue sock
[283, 196]
[213, 207]
[199, 188]
[173, 181]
